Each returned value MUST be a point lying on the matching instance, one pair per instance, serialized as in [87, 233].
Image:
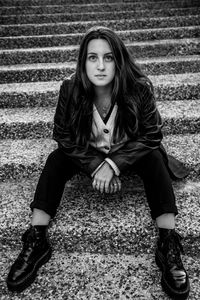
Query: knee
[154, 159]
[54, 159]
[155, 155]
[58, 162]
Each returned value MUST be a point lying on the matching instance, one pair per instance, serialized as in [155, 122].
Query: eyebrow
[97, 53]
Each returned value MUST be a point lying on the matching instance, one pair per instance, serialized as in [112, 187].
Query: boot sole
[29, 279]
[182, 295]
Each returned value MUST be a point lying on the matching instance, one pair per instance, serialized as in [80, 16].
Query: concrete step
[93, 222]
[60, 71]
[21, 123]
[128, 36]
[42, 94]
[23, 158]
[11, 3]
[144, 49]
[36, 72]
[86, 215]
[78, 27]
[111, 238]
[93, 16]
[45, 7]
[97, 276]
[87, 221]
[29, 94]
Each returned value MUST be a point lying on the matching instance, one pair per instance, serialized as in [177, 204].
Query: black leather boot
[175, 281]
[36, 252]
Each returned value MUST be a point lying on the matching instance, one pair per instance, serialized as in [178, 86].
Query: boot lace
[30, 240]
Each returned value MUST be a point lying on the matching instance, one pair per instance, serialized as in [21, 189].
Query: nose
[100, 65]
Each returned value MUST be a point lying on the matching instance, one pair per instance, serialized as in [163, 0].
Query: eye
[109, 58]
[92, 57]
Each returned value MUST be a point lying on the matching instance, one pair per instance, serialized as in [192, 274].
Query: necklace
[103, 109]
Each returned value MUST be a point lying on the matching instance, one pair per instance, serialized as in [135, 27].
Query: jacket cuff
[113, 166]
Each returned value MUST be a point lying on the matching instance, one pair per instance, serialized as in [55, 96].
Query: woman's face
[100, 65]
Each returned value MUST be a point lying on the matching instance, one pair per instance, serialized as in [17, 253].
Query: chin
[101, 83]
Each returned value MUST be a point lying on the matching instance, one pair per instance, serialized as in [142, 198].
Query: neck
[102, 95]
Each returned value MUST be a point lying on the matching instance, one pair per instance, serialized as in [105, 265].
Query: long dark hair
[126, 88]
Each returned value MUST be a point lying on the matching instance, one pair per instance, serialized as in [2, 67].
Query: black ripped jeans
[151, 168]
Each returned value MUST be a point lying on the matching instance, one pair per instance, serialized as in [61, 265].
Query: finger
[115, 186]
[106, 187]
[94, 183]
[111, 188]
[118, 184]
[101, 187]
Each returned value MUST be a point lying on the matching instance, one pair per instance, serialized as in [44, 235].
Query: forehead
[99, 46]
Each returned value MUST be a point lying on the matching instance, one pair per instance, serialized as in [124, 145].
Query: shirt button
[106, 130]
[107, 148]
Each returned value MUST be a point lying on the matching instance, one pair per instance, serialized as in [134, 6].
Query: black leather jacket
[88, 159]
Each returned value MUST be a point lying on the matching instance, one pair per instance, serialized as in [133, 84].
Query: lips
[100, 76]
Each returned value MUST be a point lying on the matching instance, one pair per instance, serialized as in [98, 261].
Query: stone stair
[103, 246]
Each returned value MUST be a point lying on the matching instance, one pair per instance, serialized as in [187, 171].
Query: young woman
[106, 122]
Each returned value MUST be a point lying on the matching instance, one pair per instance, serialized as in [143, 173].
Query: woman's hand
[102, 178]
[115, 185]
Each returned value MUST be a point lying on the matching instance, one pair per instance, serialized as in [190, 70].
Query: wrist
[113, 166]
[97, 169]
[109, 166]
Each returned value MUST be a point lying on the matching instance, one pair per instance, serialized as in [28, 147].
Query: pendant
[103, 110]
[104, 115]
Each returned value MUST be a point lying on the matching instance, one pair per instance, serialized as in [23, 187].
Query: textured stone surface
[40, 6]
[52, 17]
[178, 117]
[181, 146]
[148, 49]
[176, 86]
[22, 158]
[98, 277]
[105, 228]
[75, 27]
[42, 94]
[35, 72]
[74, 39]
[171, 65]
[10, 3]
[90, 222]
[60, 71]
[40, 55]
[29, 94]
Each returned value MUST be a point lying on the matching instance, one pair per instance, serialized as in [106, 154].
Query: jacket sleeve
[149, 138]
[87, 158]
